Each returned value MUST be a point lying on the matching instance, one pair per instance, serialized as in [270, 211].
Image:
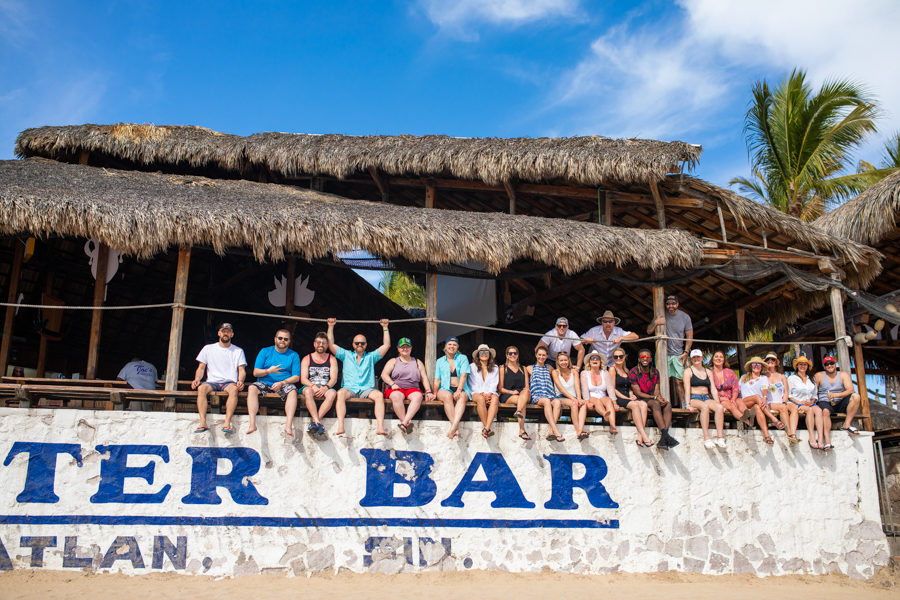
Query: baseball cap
[225, 325]
[404, 341]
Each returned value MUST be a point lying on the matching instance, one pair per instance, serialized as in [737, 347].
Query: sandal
[779, 424]
[201, 430]
[550, 437]
[850, 430]
[793, 439]
[484, 433]
[525, 436]
[814, 446]
[827, 447]
[559, 438]
[583, 435]
[403, 428]
[518, 415]
[768, 439]
[490, 432]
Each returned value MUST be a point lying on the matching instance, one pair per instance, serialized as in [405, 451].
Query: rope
[411, 320]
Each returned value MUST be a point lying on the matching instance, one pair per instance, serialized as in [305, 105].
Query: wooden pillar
[662, 355]
[41, 366]
[97, 315]
[860, 364]
[660, 205]
[511, 194]
[840, 328]
[14, 275]
[740, 313]
[181, 281]
[431, 297]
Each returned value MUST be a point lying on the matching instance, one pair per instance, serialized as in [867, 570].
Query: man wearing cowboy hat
[607, 336]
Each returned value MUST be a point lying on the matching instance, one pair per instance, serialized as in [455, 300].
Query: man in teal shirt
[358, 368]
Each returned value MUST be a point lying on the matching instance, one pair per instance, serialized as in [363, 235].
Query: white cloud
[449, 14]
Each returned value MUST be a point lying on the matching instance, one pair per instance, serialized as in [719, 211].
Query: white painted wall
[751, 508]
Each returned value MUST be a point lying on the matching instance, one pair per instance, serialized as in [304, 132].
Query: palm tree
[401, 288]
[890, 162]
[798, 142]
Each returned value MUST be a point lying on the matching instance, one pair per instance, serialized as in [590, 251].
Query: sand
[39, 584]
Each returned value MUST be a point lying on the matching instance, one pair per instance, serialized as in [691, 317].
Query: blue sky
[665, 70]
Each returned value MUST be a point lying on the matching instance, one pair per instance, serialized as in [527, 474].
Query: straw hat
[608, 315]
[754, 359]
[483, 347]
[592, 354]
[802, 359]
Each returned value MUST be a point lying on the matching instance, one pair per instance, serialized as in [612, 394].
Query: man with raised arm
[318, 374]
[224, 364]
[678, 325]
[277, 370]
[358, 378]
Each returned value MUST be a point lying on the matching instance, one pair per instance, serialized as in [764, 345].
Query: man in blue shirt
[358, 368]
[277, 370]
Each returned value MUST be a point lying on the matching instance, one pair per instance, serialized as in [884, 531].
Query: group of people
[563, 375]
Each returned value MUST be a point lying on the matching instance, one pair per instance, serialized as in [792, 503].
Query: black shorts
[622, 403]
[505, 397]
[838, 407]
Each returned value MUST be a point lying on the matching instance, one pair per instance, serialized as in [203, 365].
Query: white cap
[696, 352]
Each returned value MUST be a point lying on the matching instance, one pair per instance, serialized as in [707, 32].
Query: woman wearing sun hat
[802, 393]
[484, 377]
[755, 390]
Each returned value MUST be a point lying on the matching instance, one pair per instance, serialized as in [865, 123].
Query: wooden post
[511, 194]
[662, 354]
[14, 275]
[431, 297]
[97, 315]
[174, 358]
[740, 313]
[721, 222]
[607, 211]
[41, 366]
[660, 205]
[860, 364]
[840, 328]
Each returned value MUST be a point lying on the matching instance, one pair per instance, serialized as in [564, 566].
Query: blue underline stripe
[302, 522]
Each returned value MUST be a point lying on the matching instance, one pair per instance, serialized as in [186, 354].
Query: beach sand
[42, 585]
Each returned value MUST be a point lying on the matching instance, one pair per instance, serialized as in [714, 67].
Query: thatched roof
[143, 214]
[870, 216]
[589, 160]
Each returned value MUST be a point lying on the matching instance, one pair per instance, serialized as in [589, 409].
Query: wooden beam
[430, 325]
[97, 315]
[763, 230]
[662, 355]
[608, 209]
[8, 320]
[637, 298]
[430, 193]
[554, 291]
[740, 314]
[840, 327]
[746, 303]
[175, 331]
[860, 364]
[660, 207]
[721, 222]
[380, 183]
[736, 284]
[511, 193]
[725, 254]
[84, 157]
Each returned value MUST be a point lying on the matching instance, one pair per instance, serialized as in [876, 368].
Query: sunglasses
[484, 352]
[281, 338]
[755, 364]
[359, 343]
[643, 356]
[608, 321]
[512, 353]
[618, 356]
[594, 358]
[772, 360]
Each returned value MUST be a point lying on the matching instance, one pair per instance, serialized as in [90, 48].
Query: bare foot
[340, 429]
[251, 429]
[381, 432]
[452, 433]
[286, 432]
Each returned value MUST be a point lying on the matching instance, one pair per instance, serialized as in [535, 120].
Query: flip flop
[403, 428]
[518, 415]
[767, 439]
[484, 433]
[201, 430]
[583, 435]
[550, 437]
[525, 436]
[779, 424]
[490, 432]
[850, 430]
[228, 431]
[559, 438]
[814, 446]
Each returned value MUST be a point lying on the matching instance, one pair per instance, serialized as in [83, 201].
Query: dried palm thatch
[143, 214]
[868, 217]
[587, 160]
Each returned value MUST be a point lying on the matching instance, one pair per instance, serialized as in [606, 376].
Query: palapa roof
[589, 160]
[869, 217]
[143, 214]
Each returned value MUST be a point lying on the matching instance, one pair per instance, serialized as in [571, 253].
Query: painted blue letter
[70, 560]
[382, 476]
[205, 479]
[41, 468]
[114, 471]
[563, 483]
[499, 480]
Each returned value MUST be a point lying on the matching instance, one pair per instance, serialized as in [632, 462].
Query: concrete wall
[149, 495]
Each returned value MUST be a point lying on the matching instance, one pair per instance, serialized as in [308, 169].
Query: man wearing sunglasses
[358, 373]
[277, 371]
[608, 336]
[561, 339]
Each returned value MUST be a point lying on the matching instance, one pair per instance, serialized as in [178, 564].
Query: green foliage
[890, 161]
[799, 141]
[401, 289]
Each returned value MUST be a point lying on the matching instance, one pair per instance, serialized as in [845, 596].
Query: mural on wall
[303, 296]
[114, 258]
[89, 490]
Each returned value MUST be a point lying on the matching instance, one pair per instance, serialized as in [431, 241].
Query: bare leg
[639, 416]
[326, 404]
[761, 420]
[493, 406]
[415, 402]
[609, 408]
[719, 418]
[826, 426]
[794, 420]
[819, 419]
[290, 407]
[573, 409]
[230, 404]
[459, 410]
[378, 398]
[398, 404]
[310, 400]
[341, 409]
[252, 406]
[481, 408]
[446, 397]
[704, 416]
[852, 409]
[202, 403]
[521, 407]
